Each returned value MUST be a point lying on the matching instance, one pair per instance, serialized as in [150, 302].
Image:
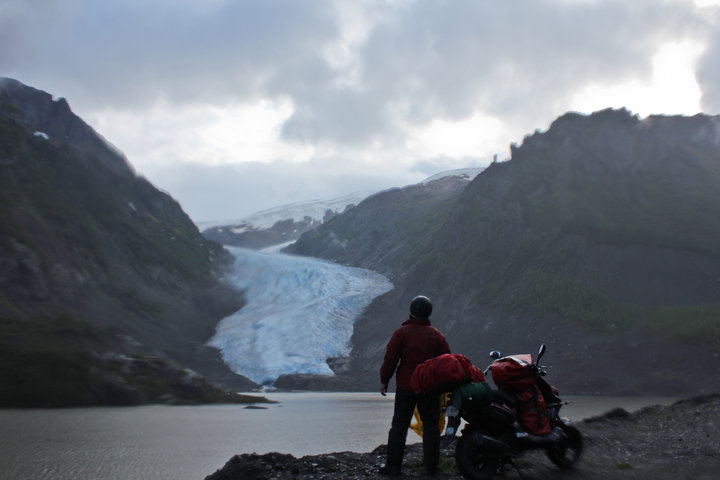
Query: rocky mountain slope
[278, 225]
[287, 223]
[598, 237]
[385, 228]
[107, 289]
[246, 235]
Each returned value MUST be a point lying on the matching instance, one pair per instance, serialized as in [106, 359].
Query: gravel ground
[679, 441]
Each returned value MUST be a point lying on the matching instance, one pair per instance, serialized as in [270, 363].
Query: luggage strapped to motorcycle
[444, 373]
[515, 375]
[532, 411]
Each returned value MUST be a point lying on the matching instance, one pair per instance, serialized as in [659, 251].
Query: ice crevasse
[299, 312]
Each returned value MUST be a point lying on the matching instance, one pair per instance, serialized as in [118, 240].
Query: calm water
[163, 442]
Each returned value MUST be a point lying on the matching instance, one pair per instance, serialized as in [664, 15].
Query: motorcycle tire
[567, 452]
[475, 463]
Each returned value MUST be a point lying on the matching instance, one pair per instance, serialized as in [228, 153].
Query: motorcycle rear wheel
[475, 463]
[566, 453]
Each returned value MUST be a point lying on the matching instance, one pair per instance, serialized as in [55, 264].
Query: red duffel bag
[513, 373]
[444, 373]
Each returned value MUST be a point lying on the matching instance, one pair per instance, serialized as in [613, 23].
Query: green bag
[474, 395]
[471, 399]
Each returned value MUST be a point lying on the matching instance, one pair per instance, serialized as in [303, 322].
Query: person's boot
[390, 470]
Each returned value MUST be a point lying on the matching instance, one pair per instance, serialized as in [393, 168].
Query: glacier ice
[299, 312]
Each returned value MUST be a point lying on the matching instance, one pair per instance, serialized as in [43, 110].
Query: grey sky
[236, 106]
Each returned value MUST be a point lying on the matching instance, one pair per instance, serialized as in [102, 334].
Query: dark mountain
[107, 289]
[287, 223]
[246, 235]
[278, 225]
[382, 232]
[600, 237]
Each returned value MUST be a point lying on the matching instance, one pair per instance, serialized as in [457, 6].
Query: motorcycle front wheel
[475, 463]
[566, 452]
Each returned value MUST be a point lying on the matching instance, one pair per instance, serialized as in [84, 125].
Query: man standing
[411, 344]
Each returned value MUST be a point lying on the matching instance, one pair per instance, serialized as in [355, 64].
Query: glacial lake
[178, 442]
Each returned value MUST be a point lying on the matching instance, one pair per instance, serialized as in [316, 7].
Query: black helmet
[420, 307]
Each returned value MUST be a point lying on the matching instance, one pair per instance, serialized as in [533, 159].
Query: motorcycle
[495, 433]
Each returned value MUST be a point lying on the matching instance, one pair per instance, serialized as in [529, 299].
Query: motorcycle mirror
[541, 352]
[495, 355]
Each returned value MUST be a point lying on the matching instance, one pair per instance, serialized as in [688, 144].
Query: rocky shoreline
[679, 441]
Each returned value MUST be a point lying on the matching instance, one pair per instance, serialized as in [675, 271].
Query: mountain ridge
[286, 223]
[596, 237]
[105, 280]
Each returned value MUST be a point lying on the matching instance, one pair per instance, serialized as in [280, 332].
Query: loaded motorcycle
[523, 414]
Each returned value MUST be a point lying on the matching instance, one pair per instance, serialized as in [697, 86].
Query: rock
[662, 443]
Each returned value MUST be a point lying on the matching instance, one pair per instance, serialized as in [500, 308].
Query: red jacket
[411, 344]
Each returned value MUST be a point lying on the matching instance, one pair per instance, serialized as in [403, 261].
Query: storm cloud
[360, 78]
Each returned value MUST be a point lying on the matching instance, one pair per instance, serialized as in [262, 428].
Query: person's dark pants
[429, 409]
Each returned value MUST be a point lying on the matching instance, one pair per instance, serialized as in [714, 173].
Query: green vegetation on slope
[520, 230]
[105, 283]
[531, 235]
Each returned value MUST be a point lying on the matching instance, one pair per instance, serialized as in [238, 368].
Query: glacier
[299, 312]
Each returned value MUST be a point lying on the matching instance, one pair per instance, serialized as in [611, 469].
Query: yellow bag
[417, 427]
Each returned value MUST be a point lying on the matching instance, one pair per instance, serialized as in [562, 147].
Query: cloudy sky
[234, 106]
